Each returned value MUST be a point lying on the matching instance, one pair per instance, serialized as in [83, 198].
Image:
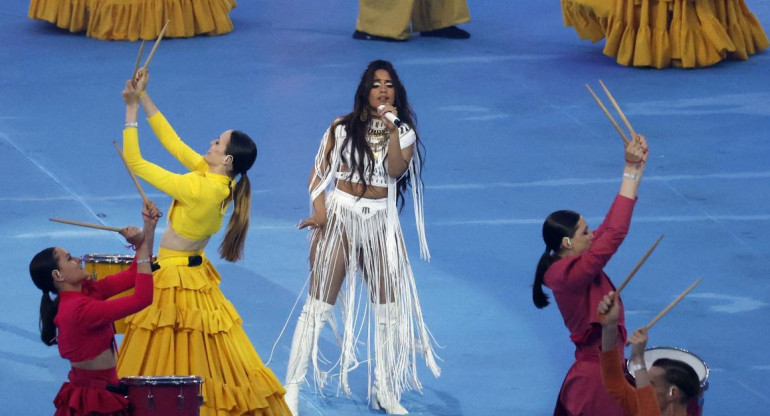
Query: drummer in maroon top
[80, 319]
[571, 267]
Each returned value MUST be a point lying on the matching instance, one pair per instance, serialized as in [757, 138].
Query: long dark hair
[244, 153]
[41, 270]
[558, 225]
[355, 127]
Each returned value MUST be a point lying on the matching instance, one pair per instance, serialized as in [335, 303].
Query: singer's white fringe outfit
[379, 322]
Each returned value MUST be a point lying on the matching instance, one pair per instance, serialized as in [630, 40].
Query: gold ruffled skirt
[666, 33]
[136, 19]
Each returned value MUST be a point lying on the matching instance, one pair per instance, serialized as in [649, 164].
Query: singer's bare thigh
[335, 263]
[376, 274]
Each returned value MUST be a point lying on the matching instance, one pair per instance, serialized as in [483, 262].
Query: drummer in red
[80, 318]
[572, 267]
[664, 389]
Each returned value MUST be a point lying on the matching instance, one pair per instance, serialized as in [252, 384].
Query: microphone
[390, 116]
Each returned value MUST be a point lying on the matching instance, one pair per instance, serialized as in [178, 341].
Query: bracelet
[133, 124]
[634, 367]
[631, 176]
[141, 93]
[144, 260]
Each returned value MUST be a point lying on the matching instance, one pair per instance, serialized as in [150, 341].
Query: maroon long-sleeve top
[579, 282]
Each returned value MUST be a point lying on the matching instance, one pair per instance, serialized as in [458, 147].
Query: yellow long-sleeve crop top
[197, 209]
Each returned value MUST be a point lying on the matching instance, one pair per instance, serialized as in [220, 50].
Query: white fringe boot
[314, 314]
[384, 395]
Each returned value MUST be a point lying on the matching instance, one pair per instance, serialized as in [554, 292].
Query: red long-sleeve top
[84, 319]
[579, 283]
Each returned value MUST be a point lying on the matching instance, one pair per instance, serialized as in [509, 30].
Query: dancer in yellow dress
[191, 328]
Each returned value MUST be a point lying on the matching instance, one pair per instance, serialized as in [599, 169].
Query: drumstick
[85, 224]
[617, 108]
[672, 304]
[154, 47]
[138, 60]
[638, 265]
[609, 116]
[133, 177]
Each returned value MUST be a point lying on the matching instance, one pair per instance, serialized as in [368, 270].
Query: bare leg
[327, 289]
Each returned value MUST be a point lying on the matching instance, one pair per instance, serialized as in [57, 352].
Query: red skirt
[583, 393]
[86, 394]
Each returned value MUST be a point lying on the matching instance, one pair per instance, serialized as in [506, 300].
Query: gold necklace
[377, 138]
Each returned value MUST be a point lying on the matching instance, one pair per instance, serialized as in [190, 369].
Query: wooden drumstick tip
[130, 172]
[638, 265]
[85, 224]
[155, 46]
[138, 61]
[617, 108]
[609, 116]
[672, 304]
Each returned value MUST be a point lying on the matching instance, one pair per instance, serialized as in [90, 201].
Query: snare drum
[695, 407]
[100, 266]
[164, 395]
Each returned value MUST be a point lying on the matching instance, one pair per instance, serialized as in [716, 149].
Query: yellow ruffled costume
[136, 19]
[191, 328]
[666, 33]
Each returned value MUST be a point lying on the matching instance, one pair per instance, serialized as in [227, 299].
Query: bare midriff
[105, 359]
[174, 241]
[355, 189]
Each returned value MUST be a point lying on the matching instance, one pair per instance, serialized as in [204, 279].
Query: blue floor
[511, 135]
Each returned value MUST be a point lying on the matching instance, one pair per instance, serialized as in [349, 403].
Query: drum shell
[164, 395]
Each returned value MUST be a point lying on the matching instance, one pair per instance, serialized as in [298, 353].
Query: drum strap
[120, 389]
[191, 261]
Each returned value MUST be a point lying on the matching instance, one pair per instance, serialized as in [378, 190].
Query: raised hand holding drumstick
[636, 157]
[608, 310]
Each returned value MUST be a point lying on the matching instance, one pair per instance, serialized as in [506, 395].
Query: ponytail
[41, 269]
[244, 153]
[48, 310]
[558, 225]
[231, 248]
[539, 297]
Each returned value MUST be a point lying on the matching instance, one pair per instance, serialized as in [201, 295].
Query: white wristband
[144, 260]
[631, 176]
[132, 124]
[634, 367]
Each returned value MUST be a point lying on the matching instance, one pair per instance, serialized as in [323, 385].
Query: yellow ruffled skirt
[136, 19]
[666, 33]
[191, 329]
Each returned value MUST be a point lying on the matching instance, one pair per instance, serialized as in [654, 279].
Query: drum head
[161, 380]
[700, 367]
